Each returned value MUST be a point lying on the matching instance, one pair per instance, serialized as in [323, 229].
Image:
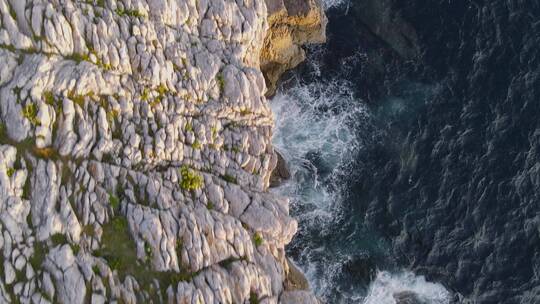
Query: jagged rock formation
[292, 24]
[280, 173]
[135, 154]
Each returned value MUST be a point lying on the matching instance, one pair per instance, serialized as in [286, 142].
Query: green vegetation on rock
[162, 90]
[12, 12]
[40, 252]
[145, 94]
[114, 201]
[59, 239]
[148, 250]
[197, 145]
[221, 82]
[78, 58]
[129, 13]
[10, 172]
[190, 179]
[30, 112]
[117, 247]
[253, 298]
[229, 178]
[120, 252]
[189, 127]
[258, 239]
[76, 98]
[49, 99]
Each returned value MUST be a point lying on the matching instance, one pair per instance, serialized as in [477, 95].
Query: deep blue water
[423, 175]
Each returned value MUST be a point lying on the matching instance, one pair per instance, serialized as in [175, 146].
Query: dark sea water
[418, 178]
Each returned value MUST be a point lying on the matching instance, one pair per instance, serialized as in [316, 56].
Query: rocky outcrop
[135, 154]
[281, 172]
[292, 24]
[295, 280]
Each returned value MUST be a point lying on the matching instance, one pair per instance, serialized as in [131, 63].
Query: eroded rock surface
[281, 173]
[292, 24]
[135, 154]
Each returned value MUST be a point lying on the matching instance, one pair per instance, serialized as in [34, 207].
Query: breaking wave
[387, 288]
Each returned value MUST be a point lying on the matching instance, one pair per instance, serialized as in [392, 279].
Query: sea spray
[387, 287]
[320, 129]
[316, 132]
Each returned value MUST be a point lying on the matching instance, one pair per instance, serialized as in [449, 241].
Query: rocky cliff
[292, 24]
[135, 153]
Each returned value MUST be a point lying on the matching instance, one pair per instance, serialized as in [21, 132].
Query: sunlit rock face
[292, 24]
[135, 154]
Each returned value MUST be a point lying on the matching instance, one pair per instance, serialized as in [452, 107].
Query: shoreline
[292, 25]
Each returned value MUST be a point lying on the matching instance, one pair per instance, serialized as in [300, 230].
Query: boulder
[385, 22]
[280, 173]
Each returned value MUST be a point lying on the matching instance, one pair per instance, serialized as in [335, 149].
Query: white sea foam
[320, 130]
[317, 117]
[386, 285]
[316, 121]
[333, 3]
[316, 127]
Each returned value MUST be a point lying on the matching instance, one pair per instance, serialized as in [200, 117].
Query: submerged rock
[292, 24]
[386, 23]
[136, 154]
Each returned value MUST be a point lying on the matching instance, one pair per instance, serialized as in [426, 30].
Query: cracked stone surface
[135, 154]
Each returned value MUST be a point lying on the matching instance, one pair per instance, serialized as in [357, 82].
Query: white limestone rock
[137, 132]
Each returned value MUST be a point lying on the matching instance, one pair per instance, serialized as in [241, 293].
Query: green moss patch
[197, 145]
[76, 98]
[258, 239]
[253, 298]
[129, 13]
[30, 112]
[114, 201]
[119, 250]
[78, 58]
[40, 252]
[189, 127]
[117, 247]
[190, 180]
[3, 132]
[221, 82]
[229, 178]
[10, 172]
[59, 239]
